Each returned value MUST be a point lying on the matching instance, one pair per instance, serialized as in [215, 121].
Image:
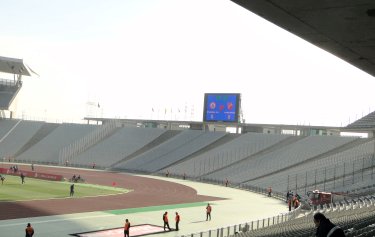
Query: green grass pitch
[37, 189]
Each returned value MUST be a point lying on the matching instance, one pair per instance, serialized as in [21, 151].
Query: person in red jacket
[208, 211]
[177, 219]
[165, 220]
[29, 230]
[126, 228]
[269, 192]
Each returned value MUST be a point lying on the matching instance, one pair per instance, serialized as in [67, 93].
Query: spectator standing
[269, 192]
[126, 228]
[71, 190]
[177, 219]
[22, 178]
[208, 211]
[325, 228]
[166, 222]
[288, 195]
[29, 230]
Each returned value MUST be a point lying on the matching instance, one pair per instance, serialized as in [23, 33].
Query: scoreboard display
[221, 107]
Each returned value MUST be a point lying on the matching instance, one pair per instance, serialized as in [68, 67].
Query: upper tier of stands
[286, 156]
[324, 167]
[118, 146]
[366, 122]
[172, 150]
[228, 153]
[47, 149]
[18, 134]
[14, 69]
[8, 91]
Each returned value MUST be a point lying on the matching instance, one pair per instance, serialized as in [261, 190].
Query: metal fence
[338, 177]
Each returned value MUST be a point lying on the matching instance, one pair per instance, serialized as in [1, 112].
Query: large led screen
[221, 107]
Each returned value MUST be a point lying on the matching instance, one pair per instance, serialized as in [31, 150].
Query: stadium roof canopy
[15, 66]
[345, 28]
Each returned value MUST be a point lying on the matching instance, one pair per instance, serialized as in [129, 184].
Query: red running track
[147, 192]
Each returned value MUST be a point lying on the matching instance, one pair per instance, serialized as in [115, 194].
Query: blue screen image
[221, 107]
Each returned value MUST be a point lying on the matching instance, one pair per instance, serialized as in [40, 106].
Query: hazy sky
[135, 56]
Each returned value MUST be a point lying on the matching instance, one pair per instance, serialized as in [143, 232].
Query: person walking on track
[208, 211]
[165, 220]
[177, 219]
[126, 228]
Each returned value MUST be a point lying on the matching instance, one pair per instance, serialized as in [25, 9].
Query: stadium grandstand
[309, 162]
[11, 72]
[306, 159]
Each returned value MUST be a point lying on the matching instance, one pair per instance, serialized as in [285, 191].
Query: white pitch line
[58, 220]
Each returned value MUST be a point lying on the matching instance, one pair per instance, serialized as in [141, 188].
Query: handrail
[5, 82]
